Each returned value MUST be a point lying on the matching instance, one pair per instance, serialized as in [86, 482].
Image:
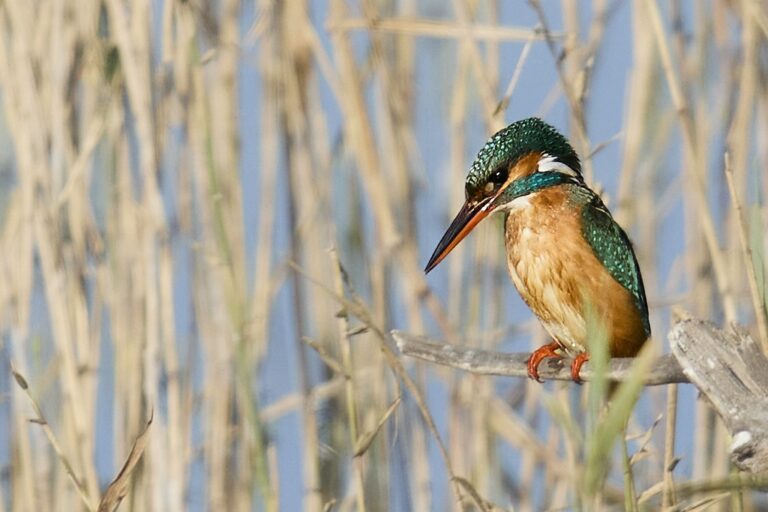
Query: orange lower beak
[468, 217]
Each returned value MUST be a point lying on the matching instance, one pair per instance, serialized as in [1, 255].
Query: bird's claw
[576, 365]
[537, 356]
[551, 350]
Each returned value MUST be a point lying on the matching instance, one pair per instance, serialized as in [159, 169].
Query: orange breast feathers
[560, 278]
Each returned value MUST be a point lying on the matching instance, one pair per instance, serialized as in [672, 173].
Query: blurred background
[216, 211]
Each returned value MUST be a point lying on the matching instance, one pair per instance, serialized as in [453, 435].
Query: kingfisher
[566, 254]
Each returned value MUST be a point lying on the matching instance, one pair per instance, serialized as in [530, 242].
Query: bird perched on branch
[565, 253]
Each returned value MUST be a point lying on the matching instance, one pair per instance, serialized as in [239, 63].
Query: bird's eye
[499, 176]
[495, 180]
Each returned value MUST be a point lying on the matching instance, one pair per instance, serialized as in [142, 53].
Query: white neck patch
[549, 163]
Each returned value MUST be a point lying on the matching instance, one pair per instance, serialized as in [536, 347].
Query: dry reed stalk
[360, 140]
[432, 28]
[694, 160]
[76, 479]
[760, 313]
[398, 140]
[295, 80]
[263, 287]
[350, 387]
[571, 88]
[668, 498]
[17, 242]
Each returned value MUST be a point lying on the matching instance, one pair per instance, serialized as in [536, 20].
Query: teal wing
[612, 247]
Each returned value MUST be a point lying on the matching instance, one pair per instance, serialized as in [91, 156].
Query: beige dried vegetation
[127, 204]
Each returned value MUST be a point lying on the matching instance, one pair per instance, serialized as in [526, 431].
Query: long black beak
[467, 218]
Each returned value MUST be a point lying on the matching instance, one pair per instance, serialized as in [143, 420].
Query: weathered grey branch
[665, 370]
[729, 368]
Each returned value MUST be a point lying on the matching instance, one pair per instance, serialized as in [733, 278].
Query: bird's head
[525, 157]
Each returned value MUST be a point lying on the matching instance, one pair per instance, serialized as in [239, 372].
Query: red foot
[538, 355]
[576, 365]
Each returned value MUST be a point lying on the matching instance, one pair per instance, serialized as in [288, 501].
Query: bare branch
[665, 370]
[727, 367]
[730, 370]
